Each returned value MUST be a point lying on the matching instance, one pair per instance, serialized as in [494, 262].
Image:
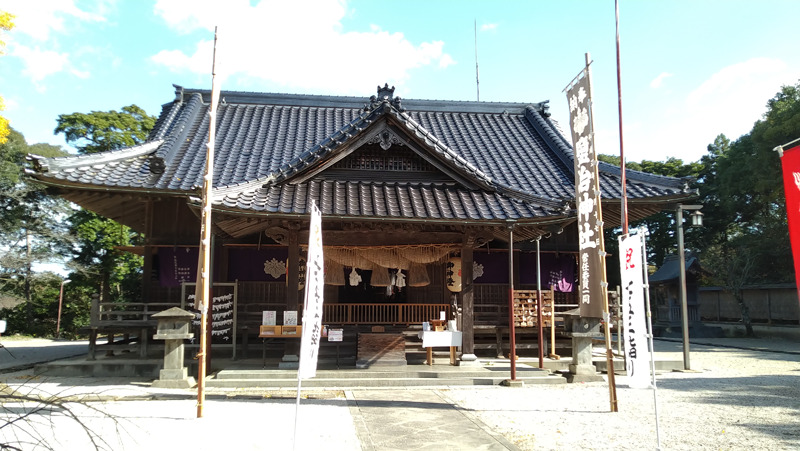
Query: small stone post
[583, 331]
[173, 328]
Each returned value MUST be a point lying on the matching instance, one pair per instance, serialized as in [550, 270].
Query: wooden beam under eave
[241, 227]
[126, 209]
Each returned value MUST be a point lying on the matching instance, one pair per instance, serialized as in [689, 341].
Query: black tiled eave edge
[386, 201]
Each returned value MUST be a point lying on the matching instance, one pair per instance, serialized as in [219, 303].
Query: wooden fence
[382, 313]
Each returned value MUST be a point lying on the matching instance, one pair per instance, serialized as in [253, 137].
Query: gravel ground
[743, 394]
[741, 399]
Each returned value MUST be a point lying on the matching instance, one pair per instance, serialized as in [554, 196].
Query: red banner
[791, 186]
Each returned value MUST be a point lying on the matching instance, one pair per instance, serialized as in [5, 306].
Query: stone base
[469, 360]
[173, 374]
[512, 384]
[187, 382]
[571, 378]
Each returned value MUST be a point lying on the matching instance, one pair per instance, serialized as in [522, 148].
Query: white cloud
[489, 27]
[33, 40]
[10, 104]
[298, 44]
[39, 18]
[658, 81]
[730, 101]
[39, 63]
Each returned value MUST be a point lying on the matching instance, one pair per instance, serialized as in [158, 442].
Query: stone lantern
[173, 328]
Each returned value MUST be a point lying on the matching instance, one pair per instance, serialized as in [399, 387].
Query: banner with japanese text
[587, 199]
[632, 272]
[314, 288]
[790, 161]
[177, 265]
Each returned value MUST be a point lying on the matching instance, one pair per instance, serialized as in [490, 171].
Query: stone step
[445, 372]
[379, 382]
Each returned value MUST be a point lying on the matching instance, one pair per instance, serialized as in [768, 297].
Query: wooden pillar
[293, 275]
[291, 350]
[147, 266]
[467, 300]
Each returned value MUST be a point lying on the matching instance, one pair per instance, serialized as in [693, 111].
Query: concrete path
[131, 415]
[418, 420]
[20, 354]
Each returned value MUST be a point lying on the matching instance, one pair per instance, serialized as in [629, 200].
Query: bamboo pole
[203, 289]
[624, 200]
[612, 388]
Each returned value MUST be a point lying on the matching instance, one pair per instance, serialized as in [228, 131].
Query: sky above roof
[690, 69]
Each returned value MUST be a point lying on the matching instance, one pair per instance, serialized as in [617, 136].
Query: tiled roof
[507, 160]
[383, 200]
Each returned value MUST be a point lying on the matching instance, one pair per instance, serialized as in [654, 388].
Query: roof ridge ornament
[385, 96]
[385, 93]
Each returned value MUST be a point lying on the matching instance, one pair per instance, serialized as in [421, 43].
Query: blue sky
[691, 69]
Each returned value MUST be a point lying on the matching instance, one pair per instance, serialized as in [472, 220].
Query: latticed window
[377, 159]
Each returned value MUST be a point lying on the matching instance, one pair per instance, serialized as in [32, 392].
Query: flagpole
[612, 386]
[650, 335]
[313, 301]
[203, 290]
[296, 411]
[624, 200]
[779, 149]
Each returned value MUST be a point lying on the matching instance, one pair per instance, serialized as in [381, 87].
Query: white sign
[268, 317]
[632, 271]
[289, 318]
[312, 311]
[336, 335]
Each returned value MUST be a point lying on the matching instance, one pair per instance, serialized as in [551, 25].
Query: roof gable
[382, 142]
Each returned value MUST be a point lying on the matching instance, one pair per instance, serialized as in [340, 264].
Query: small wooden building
[407, 189]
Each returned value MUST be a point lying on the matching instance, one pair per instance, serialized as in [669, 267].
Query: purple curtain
[177, 265]
[558, 270]
[251, 264]
[490, 267]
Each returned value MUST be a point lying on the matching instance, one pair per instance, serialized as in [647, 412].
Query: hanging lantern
[418, 276]
[453, 274]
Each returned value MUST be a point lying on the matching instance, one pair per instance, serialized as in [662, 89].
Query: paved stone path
[418, 420]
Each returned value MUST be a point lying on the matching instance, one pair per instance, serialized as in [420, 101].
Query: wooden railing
[115, 314]
[382, 313]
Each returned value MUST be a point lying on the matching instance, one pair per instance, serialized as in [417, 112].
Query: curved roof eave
[51, 164]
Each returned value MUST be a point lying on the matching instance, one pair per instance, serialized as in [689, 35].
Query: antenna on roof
[477, 74]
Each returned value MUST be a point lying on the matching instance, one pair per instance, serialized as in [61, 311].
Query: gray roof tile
[512, 152]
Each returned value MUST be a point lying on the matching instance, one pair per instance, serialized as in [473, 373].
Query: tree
[6, 24]
[101, 131]
[116, 275]
[661, 226]
[742, 190]
[31, 226]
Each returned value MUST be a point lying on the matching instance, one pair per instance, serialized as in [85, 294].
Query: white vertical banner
[633, 272]
[312, 311]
